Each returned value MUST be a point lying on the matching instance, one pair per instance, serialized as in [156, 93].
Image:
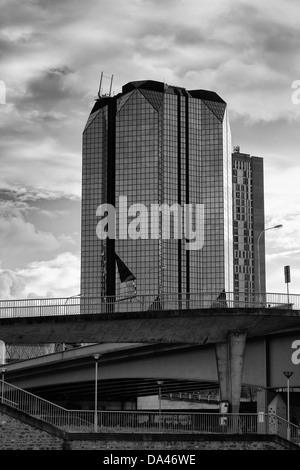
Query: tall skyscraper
[248, 225]
[158, 144]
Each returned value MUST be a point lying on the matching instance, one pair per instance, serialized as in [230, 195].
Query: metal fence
[32, 404]
[172, 301]
[147, 421]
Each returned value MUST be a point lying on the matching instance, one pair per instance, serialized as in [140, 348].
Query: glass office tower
[158, 144]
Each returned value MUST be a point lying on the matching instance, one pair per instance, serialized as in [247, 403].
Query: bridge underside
[125, 371]
[119, 389]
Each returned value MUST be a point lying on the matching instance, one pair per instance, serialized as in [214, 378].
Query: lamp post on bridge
[159, 382]
[3, 370]
[258, 256]
[96, 357]
[288, 374]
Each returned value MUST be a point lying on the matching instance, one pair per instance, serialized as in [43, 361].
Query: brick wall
[21, 432]
[173, 445]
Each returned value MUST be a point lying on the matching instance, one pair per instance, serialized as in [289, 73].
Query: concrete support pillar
[237, 344]
[221, 350]
[230, 363]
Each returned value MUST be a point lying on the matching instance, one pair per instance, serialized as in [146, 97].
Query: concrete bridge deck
[197, 326]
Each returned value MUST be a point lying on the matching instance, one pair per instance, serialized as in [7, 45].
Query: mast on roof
[101, 93]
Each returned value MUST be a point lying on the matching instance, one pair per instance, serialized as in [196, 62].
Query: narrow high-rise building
[248, 225]
[157, 144]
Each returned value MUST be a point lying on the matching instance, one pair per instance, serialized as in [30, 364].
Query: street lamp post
[159, 382]
[288, 374]
[96, 357]
[258, 256]
[3, 370]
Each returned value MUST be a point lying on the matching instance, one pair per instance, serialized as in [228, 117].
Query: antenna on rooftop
[101, 94]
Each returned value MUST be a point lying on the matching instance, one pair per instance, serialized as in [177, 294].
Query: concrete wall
[152, 403]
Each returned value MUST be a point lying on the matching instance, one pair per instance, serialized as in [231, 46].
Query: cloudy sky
[51, 56]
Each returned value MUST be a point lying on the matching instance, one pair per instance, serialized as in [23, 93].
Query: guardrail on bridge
[170, 301]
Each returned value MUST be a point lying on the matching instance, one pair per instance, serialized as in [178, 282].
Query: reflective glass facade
[156, 144]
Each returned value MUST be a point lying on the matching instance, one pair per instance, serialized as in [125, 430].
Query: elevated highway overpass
[216, 345]
[131, 370]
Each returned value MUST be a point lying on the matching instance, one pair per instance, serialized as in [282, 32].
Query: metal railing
[168, 301]
[32, 405]
[147, 421]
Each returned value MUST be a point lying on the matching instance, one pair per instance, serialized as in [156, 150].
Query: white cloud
[281, 187]
[53, 170]
[21, 240]
[11, 285]
[58, 277]
[52, 54]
